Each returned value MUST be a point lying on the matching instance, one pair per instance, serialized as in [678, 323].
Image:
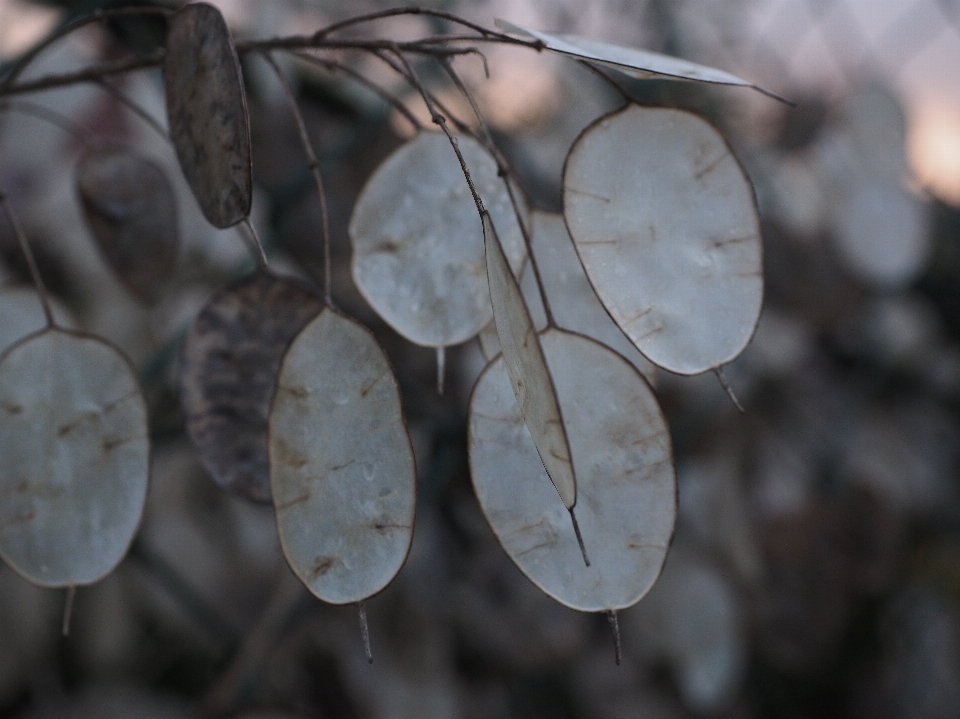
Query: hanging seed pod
[76, 457]
[130, 208]
[341, 463]
[632, 61]
[207, 113]
[417, 246]
[231, 357]
[626, 485]
[674, 253]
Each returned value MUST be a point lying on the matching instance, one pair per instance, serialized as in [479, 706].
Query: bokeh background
[816, 565]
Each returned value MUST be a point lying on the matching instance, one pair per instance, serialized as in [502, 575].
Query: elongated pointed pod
[341, 463]
[527, 368]
[633, 61]
[76, 457]
[231, 357]
[626, 484]
[417, 249]
[130, 208]
[207, 112]
[665, 223]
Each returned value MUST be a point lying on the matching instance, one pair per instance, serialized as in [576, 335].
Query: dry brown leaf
[341, 462]
[207, 113]
[231, 357]
[76, 457]
[626, 484]
[130, 208]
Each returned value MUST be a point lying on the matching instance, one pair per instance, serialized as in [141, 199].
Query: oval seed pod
[527, 367]
[130, 208]
[626, 482]
[76, 457]
[231, 357]
[341, 463]
[417, 246]
[574, 303]
[207, 113]
[665, 223]
[632, 61]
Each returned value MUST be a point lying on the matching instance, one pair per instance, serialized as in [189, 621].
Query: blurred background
[815, 569]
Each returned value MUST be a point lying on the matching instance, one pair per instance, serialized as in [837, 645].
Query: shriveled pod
[76, 457]
[626, 484]
[572, 300]
[130, 208]
[641, 64]
[529, 374]
[417, 245]
[341, 463]
[489, 340]
[665, 223]
[21, 314]
[207, 113]
[231, 358]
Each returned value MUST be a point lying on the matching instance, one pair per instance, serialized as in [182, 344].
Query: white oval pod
[633, 61]
[341, 464]
[417, 245]
[528, 371]
[572, 300]
[76, 457]
[665, 222]
[626, 482]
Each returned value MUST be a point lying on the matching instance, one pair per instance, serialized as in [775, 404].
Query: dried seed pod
[527, 368]
[76, 457]
[417, 245]
[341, 463]
[231, 357]
[574, 303]
[207, 113]
[674, 253]
[626, 485]
[130, 208]
[641, 64]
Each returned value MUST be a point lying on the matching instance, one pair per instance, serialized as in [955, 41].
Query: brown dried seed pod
[76, 457]
[231, 357]
[207, 112]
[130, 208]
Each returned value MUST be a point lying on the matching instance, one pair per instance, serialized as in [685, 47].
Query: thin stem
[615, 628]
[365, 631]
[134, 108]
[84, 134]
[725, 383]
[441, 121]
[616, 84]
[383, 93]
[31, 262]
[504, 171]
[68, 610]
[254, 244]
[314, 170]
[441, 369]
[90, 74]
[392, 12]
[576, 530]
[96, 16]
